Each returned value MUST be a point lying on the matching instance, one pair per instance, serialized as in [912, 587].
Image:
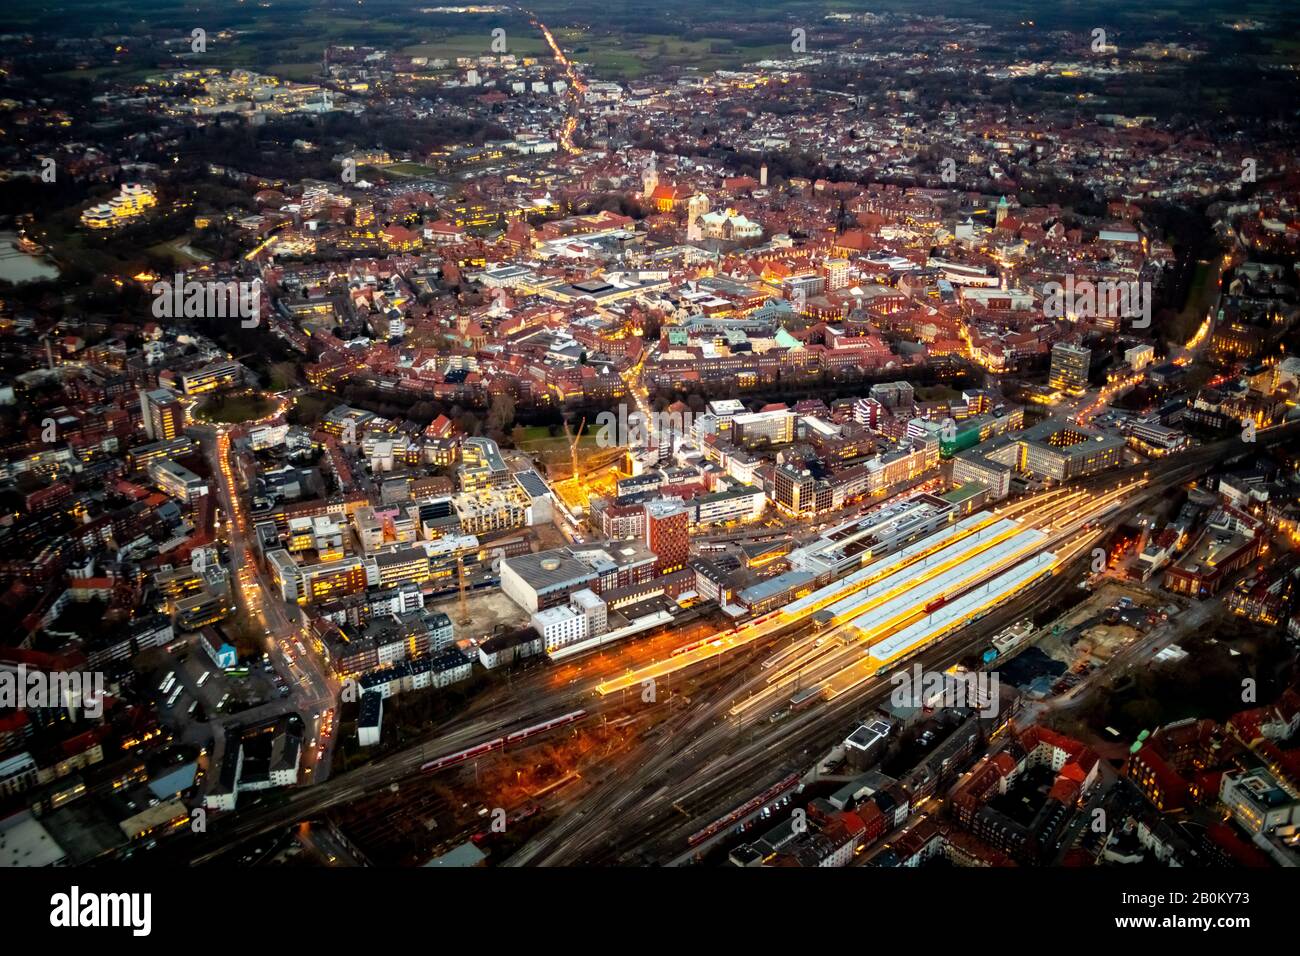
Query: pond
[18, 267]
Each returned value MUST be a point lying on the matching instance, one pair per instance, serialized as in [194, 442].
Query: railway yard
[661, 750]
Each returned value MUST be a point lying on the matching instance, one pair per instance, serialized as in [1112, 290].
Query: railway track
[641, 819]
[639, 822]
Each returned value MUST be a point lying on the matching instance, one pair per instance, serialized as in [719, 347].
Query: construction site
[576, 466]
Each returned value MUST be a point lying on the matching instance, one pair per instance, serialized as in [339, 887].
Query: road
[576, 85]
[314, 690]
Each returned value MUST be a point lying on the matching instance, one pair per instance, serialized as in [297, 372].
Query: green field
[287, 37]
[479, 44]
[233, 409]
[554, 448]
[412, 170]
[636, 55]
[297, 72]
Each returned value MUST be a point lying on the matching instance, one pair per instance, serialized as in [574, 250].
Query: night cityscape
[806, 434]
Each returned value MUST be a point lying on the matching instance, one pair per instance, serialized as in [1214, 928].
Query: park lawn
[234, 409]
[414, 170]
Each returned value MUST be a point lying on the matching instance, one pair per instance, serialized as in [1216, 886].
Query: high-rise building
[667, 534]
[869, 412]
[1069, 371]
[774, 428]
[212, 376]
[163, 413]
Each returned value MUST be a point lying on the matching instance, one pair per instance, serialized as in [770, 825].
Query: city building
[538, 581]
[1070, 367]
[132, 201]
[177, 480]
[667, 534]
[163, 414]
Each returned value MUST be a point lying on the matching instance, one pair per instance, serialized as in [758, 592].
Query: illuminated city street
[708, 436]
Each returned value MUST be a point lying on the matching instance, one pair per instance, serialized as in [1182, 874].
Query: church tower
[696, 208]
[649, 178]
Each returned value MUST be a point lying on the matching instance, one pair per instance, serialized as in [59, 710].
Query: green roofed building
[968, 497]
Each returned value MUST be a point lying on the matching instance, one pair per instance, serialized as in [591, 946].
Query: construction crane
[573, 444]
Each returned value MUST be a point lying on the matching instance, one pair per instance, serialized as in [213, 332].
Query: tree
[502, 413]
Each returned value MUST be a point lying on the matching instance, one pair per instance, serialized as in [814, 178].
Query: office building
[177, 480]
[1070, 365]
[667, 534]
[163, 414]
